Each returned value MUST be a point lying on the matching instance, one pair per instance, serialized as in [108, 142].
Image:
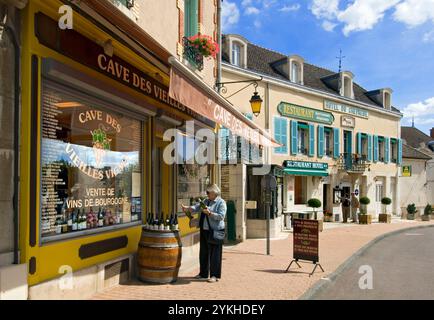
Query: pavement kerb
[322, 284]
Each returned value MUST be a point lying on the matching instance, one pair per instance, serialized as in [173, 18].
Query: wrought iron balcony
[192, 54]
[355, 163]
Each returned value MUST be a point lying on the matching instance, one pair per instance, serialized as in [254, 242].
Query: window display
[193, 178]
[91, 165]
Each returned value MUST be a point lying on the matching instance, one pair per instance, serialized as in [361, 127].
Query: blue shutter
[359, 143]
[311, 140]
[294, 137]
[284, 135]
[321, 141]
[336, 143]
[399, 152]
[281, 135]
[369, 147]
[376, 148]
[386, 149]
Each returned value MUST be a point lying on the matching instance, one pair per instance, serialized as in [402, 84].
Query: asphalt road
[402, 268]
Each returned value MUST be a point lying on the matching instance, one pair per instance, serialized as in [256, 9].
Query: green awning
[304, 172]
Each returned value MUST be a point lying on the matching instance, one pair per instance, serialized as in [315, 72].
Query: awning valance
[187, 88]
[304, 172]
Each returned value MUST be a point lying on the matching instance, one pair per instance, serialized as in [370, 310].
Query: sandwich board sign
[306, 243]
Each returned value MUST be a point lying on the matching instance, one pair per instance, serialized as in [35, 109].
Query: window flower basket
[205, 45]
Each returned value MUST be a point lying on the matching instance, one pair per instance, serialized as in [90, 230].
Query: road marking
[414, 234]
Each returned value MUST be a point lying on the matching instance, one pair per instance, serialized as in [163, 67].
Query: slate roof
[411, 153]
[414, 137]
[261, 60]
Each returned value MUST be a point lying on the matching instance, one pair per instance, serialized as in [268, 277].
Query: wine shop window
[194, 174]
[91, 166]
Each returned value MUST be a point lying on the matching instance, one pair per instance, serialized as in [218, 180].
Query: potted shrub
[364, 217]
[385, 217]
[328, 216]
[315, 204]
[427, 212]
[411, 211]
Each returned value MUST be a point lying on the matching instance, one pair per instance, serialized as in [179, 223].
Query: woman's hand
[184, 208]
[206, 211]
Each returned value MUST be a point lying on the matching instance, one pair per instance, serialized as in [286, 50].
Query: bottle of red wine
[175, 222]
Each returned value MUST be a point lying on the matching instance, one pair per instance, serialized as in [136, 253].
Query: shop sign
[289, 164]
[338, 107]
[79, 48]
[290, 110]
[349, 122]
[406, 171]
[306, 240]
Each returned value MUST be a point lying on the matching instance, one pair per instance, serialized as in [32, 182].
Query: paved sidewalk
[250, 274]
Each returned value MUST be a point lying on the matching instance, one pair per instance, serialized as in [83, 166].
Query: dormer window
[387, 100]
[296, 64]
[347, 85]
[235, 48]
[236, 54]
[295, 75]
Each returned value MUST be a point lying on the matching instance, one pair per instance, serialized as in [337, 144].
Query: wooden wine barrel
[159, 256]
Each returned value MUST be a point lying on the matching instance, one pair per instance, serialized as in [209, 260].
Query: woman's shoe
[199, 277]
[212, 279]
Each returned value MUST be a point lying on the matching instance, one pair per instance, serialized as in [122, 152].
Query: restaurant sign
[306, 240]
[338, 107]
[289, 164]
[290, 110]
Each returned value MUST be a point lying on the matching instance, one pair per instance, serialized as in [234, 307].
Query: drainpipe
[218, 80]
[11, 32]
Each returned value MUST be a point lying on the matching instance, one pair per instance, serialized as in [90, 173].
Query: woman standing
[211, 223]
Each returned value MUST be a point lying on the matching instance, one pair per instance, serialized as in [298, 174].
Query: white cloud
[328, 26]
[290, 8]
[230, 14]
[428, 37]
[414, 12]
[364, 14]
[257, 24]
[246, 3]
[327, 9]
[360, 15]
[423, 112]
[251, 11]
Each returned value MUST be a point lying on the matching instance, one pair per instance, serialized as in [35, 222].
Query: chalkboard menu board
[90, 164]
[306, 240]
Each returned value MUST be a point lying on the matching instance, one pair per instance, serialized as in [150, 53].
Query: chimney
[432, 133]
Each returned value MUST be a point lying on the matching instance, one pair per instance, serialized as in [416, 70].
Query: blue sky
[387, 43]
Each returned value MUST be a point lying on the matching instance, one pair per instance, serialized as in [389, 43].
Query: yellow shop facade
[95, 106]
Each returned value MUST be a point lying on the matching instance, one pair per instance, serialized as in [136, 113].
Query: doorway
[325, 197]
[379, 194]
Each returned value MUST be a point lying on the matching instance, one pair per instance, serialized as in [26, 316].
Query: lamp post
[255, 100]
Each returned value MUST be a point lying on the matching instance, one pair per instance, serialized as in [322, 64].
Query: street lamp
[255, 101]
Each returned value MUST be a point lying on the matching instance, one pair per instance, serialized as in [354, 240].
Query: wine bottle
[175, 222]
[70, 218]
[161, 222]
[64, 223]
[83, 220]
[100, 218]
[74, 221]
[154, 221]
[58, 225]
[167, 223]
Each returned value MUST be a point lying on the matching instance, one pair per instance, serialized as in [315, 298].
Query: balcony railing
[192, 54]
[303, 151]
[353, 163]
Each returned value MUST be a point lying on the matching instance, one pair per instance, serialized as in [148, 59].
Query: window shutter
[386, 149]
[191, 18]
[311, 140]
[277, 134]
[376, 148]
[284, 135]
[399, 152]
[321, 142]
[336, 144]
[294, 138]
[369, 147]
[359, 143]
